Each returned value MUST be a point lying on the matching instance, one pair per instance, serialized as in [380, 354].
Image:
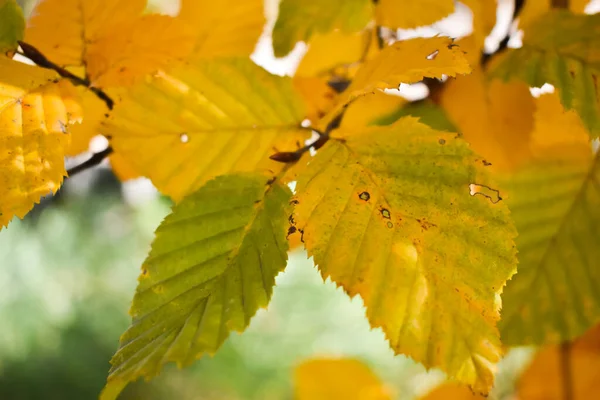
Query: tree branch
[40, 60]
[560, 4]
[565, 370]
[503, 45]
[94, 160]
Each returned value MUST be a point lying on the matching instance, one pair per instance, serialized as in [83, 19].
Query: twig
[560, 4]
[565, 370]
[41, 60]
[293, 156]
[94, 160]
[503, 45]
[380, 41]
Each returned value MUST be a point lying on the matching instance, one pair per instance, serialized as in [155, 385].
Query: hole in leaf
[385, 213]
[433, 55]
[492, 194]
[364, 196]
[184, 138]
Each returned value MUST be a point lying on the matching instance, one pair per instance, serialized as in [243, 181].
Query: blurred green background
[67, 276]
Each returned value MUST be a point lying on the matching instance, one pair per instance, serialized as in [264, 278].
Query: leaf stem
[565, 370]
[41, 60]
[91, 162]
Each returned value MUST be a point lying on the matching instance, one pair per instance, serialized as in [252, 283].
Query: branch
[39, 59]
[503, 45]
[560, 4]
[94, 160]
[565, 370]
[293, 156]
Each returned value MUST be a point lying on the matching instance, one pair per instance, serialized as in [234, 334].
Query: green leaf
[387, 214]
[212, 266]
[427, 112]
[300, 19]
[556, 294]
[12, 25]
[555, 202]
[561, 49]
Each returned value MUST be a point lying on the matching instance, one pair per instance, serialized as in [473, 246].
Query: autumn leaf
[560, 49]
[34, 116]
[370, 108]
[406, 61]
[206, 119]
[84, 32]
[496, 118]
[407, 14]
[225, 28]
[452, 391]
[545, 378]
[484, 20]
[387, 214]
[298, 20]
[12, 27]
[555, 201]
[212, 266]
[342, 378]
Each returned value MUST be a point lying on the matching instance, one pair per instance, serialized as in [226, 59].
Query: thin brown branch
[503, 45]
[91, 162]
[41, 60]
[560, 4]
[565, 371]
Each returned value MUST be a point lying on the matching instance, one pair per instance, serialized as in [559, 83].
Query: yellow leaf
[12, 26]
[110, 38]
[496, 118]
[144, 46]
[63, 29]
[452, 391]
[328, 379]
[555, 202]
[206, 119]
[407, 61]
[371, 107]
[212, 265]
[330, 51]
[544, 379]
[122, 167]
[484, 20]
[387, 214]
[407, 14]
[298, 20]
[33, 135]
[94, 111]
[318, 96]
[560, 48]
[224, 28]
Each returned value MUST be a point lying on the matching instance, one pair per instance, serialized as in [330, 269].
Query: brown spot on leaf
[390, 225]
[291, 231]
[442, 141]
